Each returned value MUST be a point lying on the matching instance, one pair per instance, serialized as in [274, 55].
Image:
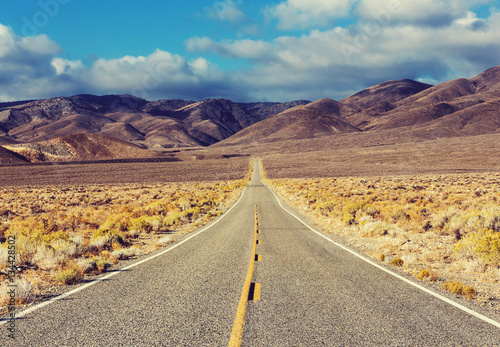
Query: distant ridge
[32, 129]
[79, 147]
[462, 107]
[319, 118]
[9, 157]
[156, 125]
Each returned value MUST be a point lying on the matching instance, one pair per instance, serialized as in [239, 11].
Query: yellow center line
[239, 321]
[256, 293]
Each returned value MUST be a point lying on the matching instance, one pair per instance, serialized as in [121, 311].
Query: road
[313, 293]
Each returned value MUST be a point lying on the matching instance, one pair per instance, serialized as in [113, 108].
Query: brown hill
[488, 82]
[384, 93]
[449, 109]
[9, 157]
[80, 147]
[483, 118]
[380, 99]
[460, 107]
[319, 118]
[158, 124]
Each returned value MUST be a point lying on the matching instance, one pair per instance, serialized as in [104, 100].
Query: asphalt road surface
[313, 293]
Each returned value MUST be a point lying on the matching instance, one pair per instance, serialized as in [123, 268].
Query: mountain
[455, 108]
[388, 112]
[379, 99]
[8, 157]
[462, 107]
[155, 125]
[384, 93]
[77, 147]
[319, 118]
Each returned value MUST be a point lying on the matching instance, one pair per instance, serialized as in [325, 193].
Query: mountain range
[74, 128]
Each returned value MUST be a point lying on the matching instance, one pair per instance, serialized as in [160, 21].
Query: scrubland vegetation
[64, 233]
[440, 228]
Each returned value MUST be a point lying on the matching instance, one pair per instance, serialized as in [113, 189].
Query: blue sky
[243, 50]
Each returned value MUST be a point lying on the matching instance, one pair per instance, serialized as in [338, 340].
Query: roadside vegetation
[64, 233]
[440, 228]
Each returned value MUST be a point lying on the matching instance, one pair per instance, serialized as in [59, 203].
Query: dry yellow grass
[63, 233]
[447, 225]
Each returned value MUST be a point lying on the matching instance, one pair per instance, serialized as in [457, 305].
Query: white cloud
[246, 49]
[7, 42]
[434, 13]
[293, 14]
[158, 75]
[470, 21]
[39, 45]
[25, 63]
[64, 66]
[224, 10]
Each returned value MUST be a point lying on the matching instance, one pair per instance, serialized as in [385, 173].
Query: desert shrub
[55, 236]
[97, 244]
[105, 254]
[459, 289]
[348, 219]
[440, 219]
[140, 225]
[166, 239]
[483, 244]
[26, 250]
[156, 223]
[326, 208]
[85, 265]
[66, 248]
[68, 276]
[155, 208]
[47, 259]
[397, 262]
[399, 213]
[469, 292]
[4, 257]
[123, 254]
[453, 287]
[371, 210]
[24, 292]
[102, 265]
[376, 228]
[4, 296]
[381, 257]
[354, 208]
[77, 240]
[39, 224]
[423, 274]
[491, 218]
[107, 237]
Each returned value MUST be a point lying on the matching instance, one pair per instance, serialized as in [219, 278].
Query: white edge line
[76, 290]
[440, 297]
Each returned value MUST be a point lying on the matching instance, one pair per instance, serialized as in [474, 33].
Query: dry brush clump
[445, 225]
[63, 233]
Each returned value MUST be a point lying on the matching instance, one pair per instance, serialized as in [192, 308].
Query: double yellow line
[239, 322]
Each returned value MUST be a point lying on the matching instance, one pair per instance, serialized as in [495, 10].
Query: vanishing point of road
[304, 291]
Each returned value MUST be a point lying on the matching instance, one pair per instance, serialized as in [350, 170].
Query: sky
[242, 50]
